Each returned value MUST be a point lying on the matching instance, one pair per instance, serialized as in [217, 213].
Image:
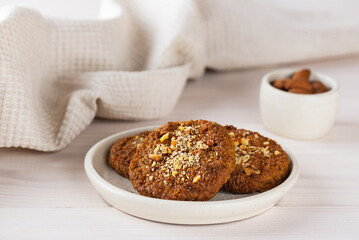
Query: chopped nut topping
[157, 149]
[155, 157]
[150, 178]
[242, 159]
[177, 165]
[245, 151]
[173, 143]
[201, 145]
[250, 171]
[166, 150]
[277, 152]
[244, 141]
[196, 178]
[231, 134]
[181, 153]
[236, 143]
[164, 137]
[138, 141]
[162, 149]
[265, 151]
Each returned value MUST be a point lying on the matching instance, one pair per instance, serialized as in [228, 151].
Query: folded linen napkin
[132, 62]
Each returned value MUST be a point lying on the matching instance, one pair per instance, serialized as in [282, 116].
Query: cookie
[261, 163]
[188, 160]
[123, 151]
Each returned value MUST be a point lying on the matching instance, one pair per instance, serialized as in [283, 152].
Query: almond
[299, 90]
[305, 85]
[300, 79]
[280, 83]
[319, 87]
[302, 75]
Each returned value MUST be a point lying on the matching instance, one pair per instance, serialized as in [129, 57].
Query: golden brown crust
[261, 163]
[123, 151]
[188, 160]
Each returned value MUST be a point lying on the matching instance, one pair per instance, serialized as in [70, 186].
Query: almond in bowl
[298, 104]
[300, 83]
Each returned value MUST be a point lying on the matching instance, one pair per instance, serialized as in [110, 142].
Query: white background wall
[79, 9]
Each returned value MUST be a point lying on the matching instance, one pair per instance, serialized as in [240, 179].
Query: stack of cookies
[193, 160]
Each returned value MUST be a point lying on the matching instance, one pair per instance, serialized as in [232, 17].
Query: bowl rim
[93, 175]
[281, 73]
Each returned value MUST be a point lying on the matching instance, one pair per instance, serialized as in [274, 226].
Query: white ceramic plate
[224, 207]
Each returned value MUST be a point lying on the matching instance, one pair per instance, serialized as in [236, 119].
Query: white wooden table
[48, 196]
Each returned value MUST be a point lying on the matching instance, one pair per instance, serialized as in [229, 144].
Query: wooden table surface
[48, 195]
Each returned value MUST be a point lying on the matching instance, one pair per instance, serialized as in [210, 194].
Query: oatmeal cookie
[123, 151]
[261, 163]
[188, 160]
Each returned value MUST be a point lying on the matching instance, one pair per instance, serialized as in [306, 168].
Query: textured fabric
[133, 61]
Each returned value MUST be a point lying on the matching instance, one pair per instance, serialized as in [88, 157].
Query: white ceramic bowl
[224, 207]
[299, 116]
